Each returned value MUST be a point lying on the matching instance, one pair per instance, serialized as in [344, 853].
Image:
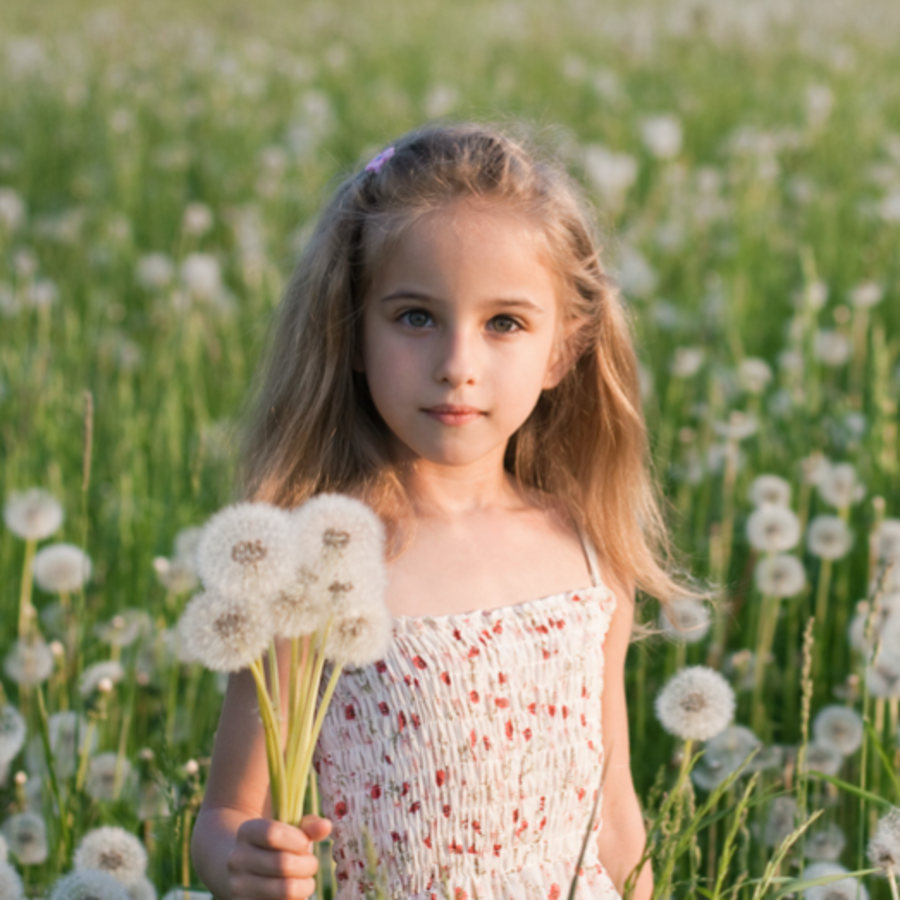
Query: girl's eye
[505, 324]
[415, 318]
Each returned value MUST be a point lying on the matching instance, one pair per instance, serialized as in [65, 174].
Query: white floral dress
[472, 753]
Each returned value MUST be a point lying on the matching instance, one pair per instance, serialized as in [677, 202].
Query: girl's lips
[453, 415]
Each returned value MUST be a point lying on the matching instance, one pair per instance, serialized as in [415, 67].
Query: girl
[451, 351]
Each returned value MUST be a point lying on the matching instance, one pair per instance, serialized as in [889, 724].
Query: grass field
[160, 167]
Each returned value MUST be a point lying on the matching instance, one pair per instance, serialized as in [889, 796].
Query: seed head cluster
[696, 704]
[112, 850]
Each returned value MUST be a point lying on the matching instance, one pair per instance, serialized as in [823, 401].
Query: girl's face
[459, 334]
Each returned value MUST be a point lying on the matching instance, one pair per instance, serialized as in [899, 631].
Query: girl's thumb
[315, 828]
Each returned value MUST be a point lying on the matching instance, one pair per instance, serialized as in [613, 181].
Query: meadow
[159, 171]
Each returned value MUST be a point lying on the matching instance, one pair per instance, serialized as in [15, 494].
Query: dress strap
[591, 555]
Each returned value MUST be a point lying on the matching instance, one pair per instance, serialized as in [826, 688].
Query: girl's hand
[274, 861]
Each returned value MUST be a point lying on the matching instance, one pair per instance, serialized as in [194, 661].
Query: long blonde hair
[314, 427]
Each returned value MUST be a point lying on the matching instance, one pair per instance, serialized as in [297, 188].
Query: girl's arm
[237, 851]
[622, 834]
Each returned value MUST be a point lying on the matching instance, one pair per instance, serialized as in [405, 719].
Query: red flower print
[591, 745]
[455, 847]
[541, 807]
[473, 652]
[509, 728]
[419, 662]
[583, 720]
[560, 623]
[546, 652]
[501, 678]
[405, 789]
[497, 848]
[543, 822]
[473, 696]
[486, 633]
[446, 810]
[471, 848]
[349, 711]
[565, 711]
[581, 793]
[407, 679]
[487, 742]
[395, 836]
[381, 666]
[445, 677]
[415, 720]
[340, 809]
[376, 792]
[317, 767]
[401, 719]
[532, 708]
[440, 777]
[457, 634]
[498, 628]
[460, 894]
[515, 816]
[584, 690]
[555, 892]
[415, 806]
[527, 734]
[384, 708]
[476, 826]
[501, 702]
[388, 760]
[427, 841]
[551, 708]
[342, 876]
[543, 629]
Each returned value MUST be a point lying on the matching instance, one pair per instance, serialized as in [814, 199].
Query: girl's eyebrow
[499, 302]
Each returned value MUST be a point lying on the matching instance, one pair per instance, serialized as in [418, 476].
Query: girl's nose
[457, 359]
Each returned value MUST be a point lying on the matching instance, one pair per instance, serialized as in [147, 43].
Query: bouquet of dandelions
[314, 577]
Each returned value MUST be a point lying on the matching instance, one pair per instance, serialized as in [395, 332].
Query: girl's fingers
[272, 863]
[253, 887]
[271, 835]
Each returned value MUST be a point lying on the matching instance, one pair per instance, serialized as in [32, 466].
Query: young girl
[451, 351]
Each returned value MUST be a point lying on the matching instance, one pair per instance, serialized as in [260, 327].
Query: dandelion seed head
[611, 174]
[247, 549]
[838, 485]
[773, 529]
[685, 620]
[109, 669]
[64, 730]
[142, 890]
[828, 537]
[106, 773]
[26, 838]
[90, 884]
[696, 704]
[33, 514]
[201, 275]
[154, 271]
[822, 757]
[887, 540]
[152, 802]
[739, 427]
[884, 847]
[770, 489]
[883, 676]
[11, 887]
[754, 375]
[780, 820]
[112, 850]
[61, 568]
[867, 294]
[12, 732]
[360, 636]
[29, 662]
[842, 889]
[124, 628]
[780, 576]
[723, 755]
[175, 576]
[839, 726]
[662, 135]
[831, 348]
[222, 633]
[825, 844]
[686, 362]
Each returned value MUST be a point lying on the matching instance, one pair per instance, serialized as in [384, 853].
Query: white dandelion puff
[884, 847]
[739, 427]
[686, 620]
[825, 844]
[866, 294]
[770, 489]
[822, 757]
[840, 889]
[222, 633]
[143, 889]
[175, 575]
[838, 485]
[26, 837]
[61, 568]
[773, 529]
[831, 347]
[186, 543]
[696, 704]
[247, 549]
[112, 850]
[357, 639]
[686, 362]
[780, 820]
[93, 675]
[33, 514]
[153, 802]
[66, 729]
[201, 275]
[109, 777]
[612, 174]
[754, 375]
[723, 755]
[883, 676]
[11, 887]
[887, 541]
[197, 219]
[124, 628]
[662, 135]
[88, 885]
[155, 271]
[29, 662]
[839, 726]
[12, 732]
[828, 537]
[780, 576]
[889, 632]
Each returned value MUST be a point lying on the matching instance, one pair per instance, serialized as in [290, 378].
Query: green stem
[25, 591]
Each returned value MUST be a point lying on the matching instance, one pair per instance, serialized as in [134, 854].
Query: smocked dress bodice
[471, 755]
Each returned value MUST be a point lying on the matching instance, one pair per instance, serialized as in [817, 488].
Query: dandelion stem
[25, 592]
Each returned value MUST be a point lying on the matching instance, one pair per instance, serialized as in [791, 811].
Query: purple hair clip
[376, 164]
